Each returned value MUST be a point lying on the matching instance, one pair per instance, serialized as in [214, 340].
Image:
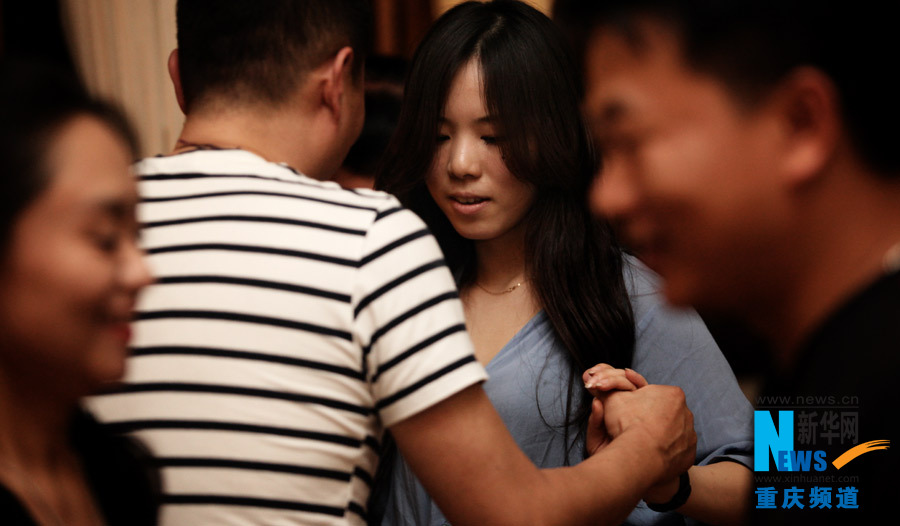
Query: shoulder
[867, 319]
[864, 327]
[644, 290]
[663, 333]
[648, 302]
[250, 183]
[246, 167]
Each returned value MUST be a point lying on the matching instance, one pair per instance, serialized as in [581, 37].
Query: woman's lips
[467, 204]
[122, 330]
[119, 319]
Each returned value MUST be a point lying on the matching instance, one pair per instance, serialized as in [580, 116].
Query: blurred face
[72, 269]
[688, 175]
[469, 180]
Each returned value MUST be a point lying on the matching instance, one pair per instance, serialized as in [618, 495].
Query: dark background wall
[32, 29]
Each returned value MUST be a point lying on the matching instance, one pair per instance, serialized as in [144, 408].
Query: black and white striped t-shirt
[291, 321]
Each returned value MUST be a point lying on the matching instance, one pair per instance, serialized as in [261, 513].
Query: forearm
[474, 471]
[600, 491]
[604, 488]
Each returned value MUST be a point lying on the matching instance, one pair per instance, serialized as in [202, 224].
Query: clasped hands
[626, 404]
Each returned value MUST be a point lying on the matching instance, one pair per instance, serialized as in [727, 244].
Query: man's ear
[175, 75]
[339, 72]
[809, 110]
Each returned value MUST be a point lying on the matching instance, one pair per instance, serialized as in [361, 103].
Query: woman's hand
[603, 378]
[600, 380]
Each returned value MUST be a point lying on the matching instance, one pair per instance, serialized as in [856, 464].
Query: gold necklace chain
[502, 292]
[182, 146]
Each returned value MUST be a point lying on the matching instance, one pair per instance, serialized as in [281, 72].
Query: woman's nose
[134, 273]
[463, 160]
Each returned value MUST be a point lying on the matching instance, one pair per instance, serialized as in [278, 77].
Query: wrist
[678, 499]
[663, 491]
[650, 464]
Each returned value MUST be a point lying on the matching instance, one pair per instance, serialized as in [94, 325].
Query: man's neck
[283, 135]
[840, 250]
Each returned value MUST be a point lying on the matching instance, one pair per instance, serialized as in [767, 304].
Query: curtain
[400, 25]
[120, 48]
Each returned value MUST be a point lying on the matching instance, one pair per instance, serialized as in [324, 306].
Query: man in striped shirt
[292, 322]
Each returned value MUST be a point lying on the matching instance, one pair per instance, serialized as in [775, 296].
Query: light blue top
[528, 379]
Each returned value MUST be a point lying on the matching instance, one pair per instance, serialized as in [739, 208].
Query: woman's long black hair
[531, 87]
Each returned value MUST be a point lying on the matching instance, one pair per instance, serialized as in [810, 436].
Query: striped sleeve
[409, 320]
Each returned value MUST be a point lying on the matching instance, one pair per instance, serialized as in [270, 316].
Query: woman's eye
[443, 138]
[107, 242]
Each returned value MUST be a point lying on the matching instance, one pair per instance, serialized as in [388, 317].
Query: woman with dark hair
[491, 151]
[69, 273]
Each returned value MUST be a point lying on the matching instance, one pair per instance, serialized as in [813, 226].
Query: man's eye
[621, 145]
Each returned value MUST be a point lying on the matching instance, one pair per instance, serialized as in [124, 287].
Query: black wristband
[680, 497]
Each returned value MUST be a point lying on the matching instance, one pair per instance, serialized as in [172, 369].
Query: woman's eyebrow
[114, 207]
[487, 119]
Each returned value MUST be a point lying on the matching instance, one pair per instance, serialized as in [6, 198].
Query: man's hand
[602, 381]
[658, 415]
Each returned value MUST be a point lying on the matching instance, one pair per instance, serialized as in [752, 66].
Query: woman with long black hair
[492, 153]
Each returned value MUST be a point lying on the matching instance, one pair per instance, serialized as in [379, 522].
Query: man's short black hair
[258, 50]
[752, 44]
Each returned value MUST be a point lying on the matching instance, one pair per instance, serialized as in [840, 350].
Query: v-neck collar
[538, 317]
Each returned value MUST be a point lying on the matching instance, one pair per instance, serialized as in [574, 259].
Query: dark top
[851, 369]
[125, 487]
